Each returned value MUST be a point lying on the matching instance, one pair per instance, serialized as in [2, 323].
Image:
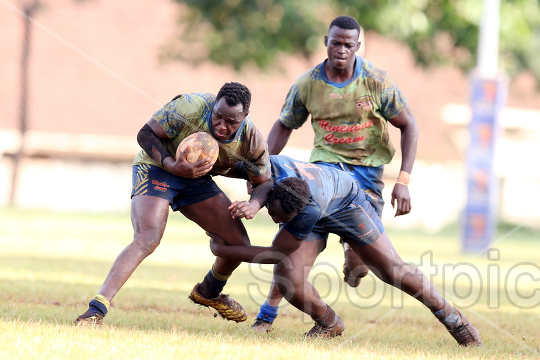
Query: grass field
[52, 264]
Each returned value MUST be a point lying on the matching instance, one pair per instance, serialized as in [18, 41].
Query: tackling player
[311, 201]
[160, 181]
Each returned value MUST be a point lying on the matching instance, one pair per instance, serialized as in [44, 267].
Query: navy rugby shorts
[179, 191]
[358, 224]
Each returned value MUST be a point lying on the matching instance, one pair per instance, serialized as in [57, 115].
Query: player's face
[276, 212]
[227, 119]
[341, 46]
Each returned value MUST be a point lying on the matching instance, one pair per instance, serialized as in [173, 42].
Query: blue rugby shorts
[358, 224]
[367, 178]
[151, 180]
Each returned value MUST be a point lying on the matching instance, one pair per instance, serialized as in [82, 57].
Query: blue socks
[267, 313]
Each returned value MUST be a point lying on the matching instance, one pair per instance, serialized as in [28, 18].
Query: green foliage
[256, 32]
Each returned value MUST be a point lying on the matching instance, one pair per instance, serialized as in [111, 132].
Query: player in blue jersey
[162, 181]
[311, 201]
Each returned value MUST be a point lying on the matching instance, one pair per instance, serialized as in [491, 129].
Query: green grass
[51, 264]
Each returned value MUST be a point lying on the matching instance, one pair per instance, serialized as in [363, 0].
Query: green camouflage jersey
[191, 113]
[350, 119]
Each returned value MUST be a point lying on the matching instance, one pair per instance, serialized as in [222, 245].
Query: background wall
[95, 78]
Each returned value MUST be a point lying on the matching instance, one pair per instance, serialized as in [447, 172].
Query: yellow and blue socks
[99, 305]
[212, 284]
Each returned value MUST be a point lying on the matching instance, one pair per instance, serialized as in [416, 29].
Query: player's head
[346, 23]
[342, 42]
[234, 94]
[287, 199]
[230, 110]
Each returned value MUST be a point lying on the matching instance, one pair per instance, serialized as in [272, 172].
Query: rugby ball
[201, 145]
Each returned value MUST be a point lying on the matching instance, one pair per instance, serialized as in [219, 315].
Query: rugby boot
[262, 326]
[228, 308]
[90, 318]
[458, 326]
[330, 325]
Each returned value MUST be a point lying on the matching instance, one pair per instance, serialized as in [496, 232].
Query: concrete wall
[437, 190]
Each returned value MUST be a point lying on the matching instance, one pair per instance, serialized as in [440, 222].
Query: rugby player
[311, 201]
[352, 103]
[161, 181]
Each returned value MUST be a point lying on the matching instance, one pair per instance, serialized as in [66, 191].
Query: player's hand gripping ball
[201, 145]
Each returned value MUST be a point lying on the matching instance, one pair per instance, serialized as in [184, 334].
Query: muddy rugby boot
[458, 326]
[228, 308]
[262, 326]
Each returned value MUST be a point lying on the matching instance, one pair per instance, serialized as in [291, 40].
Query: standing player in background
[160, 181]
[351, 103]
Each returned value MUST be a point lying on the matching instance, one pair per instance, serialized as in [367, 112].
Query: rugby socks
[328, 318]
[267, 313]
[99, 305]
[212, 284]
[447, 315]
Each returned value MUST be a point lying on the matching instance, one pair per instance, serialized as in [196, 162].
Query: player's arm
[261, 185]
[406, 123]
[260, 192]
[149, 138]
[284, 244]
[278, 137]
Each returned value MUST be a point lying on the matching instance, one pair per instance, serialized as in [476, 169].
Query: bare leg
[352, 261]
[302, 260]
[274, 296]
[290, 277]
[390, 268]
[354, 268]
[212, 215]
[149, 218]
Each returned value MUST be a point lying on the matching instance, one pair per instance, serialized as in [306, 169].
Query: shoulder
[195, 103]
[250, 139]
[313, 74]
[372, 72]
[250, 130]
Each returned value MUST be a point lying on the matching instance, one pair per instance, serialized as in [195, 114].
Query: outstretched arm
[260, 192]
[259, 197]
[283, 245]
[406, 123]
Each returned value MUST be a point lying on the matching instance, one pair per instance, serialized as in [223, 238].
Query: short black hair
[234, 94]
[345, 22]
[293, 194]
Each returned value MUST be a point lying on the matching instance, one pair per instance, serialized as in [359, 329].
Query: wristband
[403, 178]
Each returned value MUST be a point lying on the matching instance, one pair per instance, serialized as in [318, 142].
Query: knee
[361, 271]
[287, 284]
[147, 241]
[289, 289]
